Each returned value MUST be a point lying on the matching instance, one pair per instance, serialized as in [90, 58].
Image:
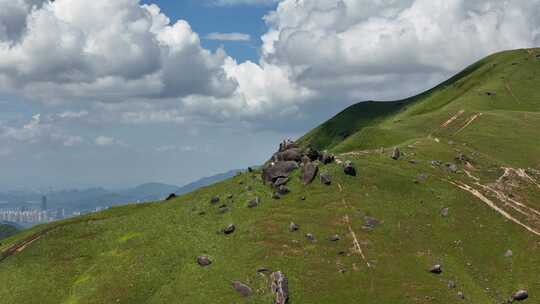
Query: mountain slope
[465, 195]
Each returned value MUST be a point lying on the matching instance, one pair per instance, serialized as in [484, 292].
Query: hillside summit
[431, 199]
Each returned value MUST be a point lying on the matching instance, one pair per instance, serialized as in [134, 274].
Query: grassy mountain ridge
[465, 195]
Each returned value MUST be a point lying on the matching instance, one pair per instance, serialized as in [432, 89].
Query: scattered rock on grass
[326, 179]
[326, 158]
[280, 287]
[214, 200]
[461, 295]
[370, 223]
[349, 168]
[334, 238]
[396, 154]
[276, 196]
[254, 202]
[436, 269]
[444, 212]
[229, 229]
[204, 261]
[293, 227]
[452, 284]
[310, 237]
[242, 288]
[452, 167]
[520, 295]
[171, 197]
[508, 253]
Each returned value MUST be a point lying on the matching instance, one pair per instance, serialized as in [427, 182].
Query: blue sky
[206, 18]
[109, 93]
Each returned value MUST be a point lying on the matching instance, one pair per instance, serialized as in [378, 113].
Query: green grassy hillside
[465, 195]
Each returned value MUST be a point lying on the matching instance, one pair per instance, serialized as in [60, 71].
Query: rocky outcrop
[274, 170]
[280, 287]
[171, 197]
[294, 154]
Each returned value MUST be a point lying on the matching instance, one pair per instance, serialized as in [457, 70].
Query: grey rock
[309, 171]
[452, 167]
[276, 196]
[349, 168]
[436, 269]
[334, 238]
[214, 200]
[520, 295]
[204, 261]
[229, 229]
[396, 154]
[293, 154]
[444, 212]
[223, 209]
[171, 197]
[283, 190]
[370, 223]
[286, 145]
[254, 202]
[509, 253]
[452, 284]
[280, 287]
[326, 179]
[242, 288]
[281, 181]
[326, 158]
[272, 171]
[230, 196]
[312, 154]
[310, 237]
[436, 163]
[293, 227]
[461, 295]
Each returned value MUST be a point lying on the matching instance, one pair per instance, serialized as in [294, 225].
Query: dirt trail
[509, 89]
[356, 244]
[22, 245]
[492, 205]
[469, 121]
[452, 119]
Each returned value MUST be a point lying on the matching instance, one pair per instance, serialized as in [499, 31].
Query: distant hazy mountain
[89, 199]
[206, 181]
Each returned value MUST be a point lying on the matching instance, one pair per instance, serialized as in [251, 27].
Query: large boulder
[286, 145]
[309, 171]
[274, 170]
[294, 154]
[280, 287]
